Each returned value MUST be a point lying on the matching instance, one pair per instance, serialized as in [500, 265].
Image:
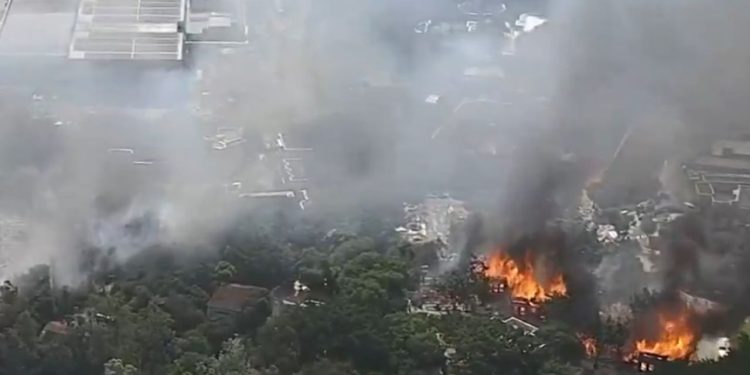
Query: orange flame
[523, 280]
[676, 338]
[589, 343]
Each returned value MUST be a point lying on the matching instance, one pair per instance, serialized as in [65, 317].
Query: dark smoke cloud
[670, 73]
[349, 79]
[708, 262]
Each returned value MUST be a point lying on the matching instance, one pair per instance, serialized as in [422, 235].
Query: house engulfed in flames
[676, 339]
[525, 279]
[529, 281]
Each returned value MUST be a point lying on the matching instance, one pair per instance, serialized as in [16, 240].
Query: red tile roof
[60, 328]
[235, 296]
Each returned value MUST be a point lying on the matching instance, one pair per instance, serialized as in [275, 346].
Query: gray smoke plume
[350, 79]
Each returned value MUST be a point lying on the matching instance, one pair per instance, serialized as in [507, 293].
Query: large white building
[151, 30]
[129, 30]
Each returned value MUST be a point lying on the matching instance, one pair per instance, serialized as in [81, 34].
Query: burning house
[527, 279]
[647, 362]
[528, 282]
[668, 332]
[526, 327]
[526, 308]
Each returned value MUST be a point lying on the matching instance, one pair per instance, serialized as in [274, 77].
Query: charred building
[437, 221]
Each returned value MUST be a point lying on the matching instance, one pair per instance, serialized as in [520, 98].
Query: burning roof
[669, 330]
[531, 277]
[675, 338]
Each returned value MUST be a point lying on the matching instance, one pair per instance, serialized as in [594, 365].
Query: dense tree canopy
[149, 316]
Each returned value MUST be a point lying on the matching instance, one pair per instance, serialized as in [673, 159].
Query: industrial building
[722, 178]
[145, 30]
[129, 30]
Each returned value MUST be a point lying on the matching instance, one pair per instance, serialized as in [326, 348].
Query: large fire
[676, 338]
[524, 280]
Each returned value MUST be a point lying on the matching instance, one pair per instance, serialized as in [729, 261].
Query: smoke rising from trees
[673, 70]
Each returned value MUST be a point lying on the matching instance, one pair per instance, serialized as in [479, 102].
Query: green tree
[56, 356]
[328, 367]
[192, 341]
[463, 284]
[314, 270]
[18, 345]
[561, 343]
[252, 317]
[233, 359]
[35, 285]
[279, 342]
[189, 363]
[183, 312]
[553, 367]
[153, 336]
[375, 281]
[116, 367]
[736, 363]
[263, 263]
[224, 272]
[27, 331]
[485, 347]
[413, 343]
[350, 249]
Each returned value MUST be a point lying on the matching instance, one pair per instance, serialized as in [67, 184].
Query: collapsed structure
[437, 220]
[283, 170]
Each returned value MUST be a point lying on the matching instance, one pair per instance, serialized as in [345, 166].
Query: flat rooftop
[729, 148]
[218, 21]
[744, 197]
[36, 27]
[724, 164]
[128, 30]
[93, 29]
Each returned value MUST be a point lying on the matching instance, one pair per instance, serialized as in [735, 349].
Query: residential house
[55, 328]
[229, 300]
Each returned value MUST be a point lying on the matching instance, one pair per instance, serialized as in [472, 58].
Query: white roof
[729, 148]
[521, 324]
[128, 30]
[36, 27]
